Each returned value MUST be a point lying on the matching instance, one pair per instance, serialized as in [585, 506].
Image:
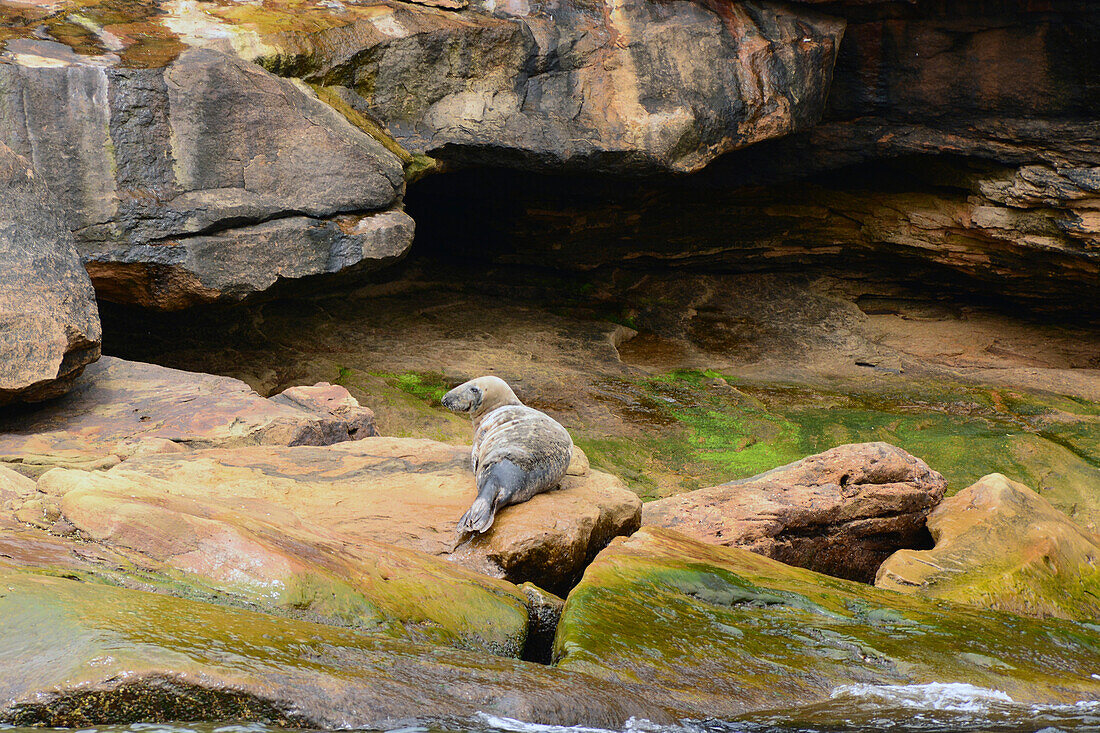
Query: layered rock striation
[201, 180]
[120, 409]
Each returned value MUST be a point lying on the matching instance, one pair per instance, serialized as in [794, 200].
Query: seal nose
[449, 401]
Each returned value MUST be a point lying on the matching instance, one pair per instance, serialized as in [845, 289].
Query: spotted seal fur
[518, 451]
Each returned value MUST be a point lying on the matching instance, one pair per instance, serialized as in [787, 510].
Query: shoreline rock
[841, 512]
[714, 631]
[1000, 545]
[203, 180]
[133, 656]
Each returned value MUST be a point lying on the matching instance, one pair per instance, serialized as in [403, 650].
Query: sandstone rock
[83, 654]
[623, 86]
[715, 631]
[613, 87]
[49, 321]
[404, 492]
[203, 179]
[1002, 546]
[120, 409]
[331, 399]
[14, 487]
[235, 549]
[841, 512]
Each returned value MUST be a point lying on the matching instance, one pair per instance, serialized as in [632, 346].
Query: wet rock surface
[232, 549]
[118, 409]
[382, 491]
[716, 631]
[206, 179]
[137, 656]
[1000, 545]
[841, 512]
[49, 321]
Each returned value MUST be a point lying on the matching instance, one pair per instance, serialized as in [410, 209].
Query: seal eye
[476, 391]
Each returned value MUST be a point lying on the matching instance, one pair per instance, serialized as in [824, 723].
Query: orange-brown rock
[362, 494]
[13, 486]
[119, 409]
[1003, 546]
[325, 399]
[841, 512]
[232, 548]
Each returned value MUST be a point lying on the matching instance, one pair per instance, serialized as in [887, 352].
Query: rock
[14, 487]
[404, 492]
[49, 321]
[331, 399]
[235, 549]
[715, 631]
[202, 179]
[119, 409]
[733, 375]
[84, 654]
[543, 614]
[631, 86]
[968, 226]
[1000, 545]
[841, 512]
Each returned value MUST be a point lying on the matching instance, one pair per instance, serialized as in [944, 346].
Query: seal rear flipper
[479, 517]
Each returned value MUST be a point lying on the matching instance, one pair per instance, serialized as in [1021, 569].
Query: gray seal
[518, 451]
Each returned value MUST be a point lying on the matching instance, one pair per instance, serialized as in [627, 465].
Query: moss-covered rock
[714, 631]
[79, 654]
[1002, 546]
[709, 427]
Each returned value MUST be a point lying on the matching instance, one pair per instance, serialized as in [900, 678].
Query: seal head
[517, 451]
[479, 397]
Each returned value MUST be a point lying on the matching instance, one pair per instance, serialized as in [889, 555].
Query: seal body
[517, 451]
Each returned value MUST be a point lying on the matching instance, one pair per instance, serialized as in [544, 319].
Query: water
[932, 708]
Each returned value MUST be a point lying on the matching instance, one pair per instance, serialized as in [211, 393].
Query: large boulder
[119, 409]
[49, 320]
[83, 654]
[236, 550]
[841, 512]
[716, 631]
[397, 491]
[1000, 545]
[604, 86]
[611, 86]
[202, 179]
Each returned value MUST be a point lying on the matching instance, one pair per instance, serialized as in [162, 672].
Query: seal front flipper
[497, 485]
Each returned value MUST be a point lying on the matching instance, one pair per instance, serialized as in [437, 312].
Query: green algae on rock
[1002, 546]
[238, 551]
[80, 654]
[714, 631]
[715, 427]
